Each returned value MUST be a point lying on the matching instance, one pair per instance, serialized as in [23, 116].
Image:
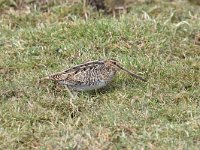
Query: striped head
[116, 66]
[113, 64]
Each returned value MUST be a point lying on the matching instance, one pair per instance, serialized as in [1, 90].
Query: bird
[91, 75]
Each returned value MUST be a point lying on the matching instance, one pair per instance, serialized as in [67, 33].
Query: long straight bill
[132, 74]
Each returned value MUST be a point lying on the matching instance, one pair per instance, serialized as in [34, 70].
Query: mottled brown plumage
[90, 75]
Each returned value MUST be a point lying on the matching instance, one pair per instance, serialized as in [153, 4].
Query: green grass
[155, 41]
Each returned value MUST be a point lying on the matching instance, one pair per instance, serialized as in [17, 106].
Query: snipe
[90, 75]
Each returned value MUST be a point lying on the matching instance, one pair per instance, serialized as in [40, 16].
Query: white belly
[88, 87]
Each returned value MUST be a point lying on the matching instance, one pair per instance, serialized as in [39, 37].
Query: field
[155, 40]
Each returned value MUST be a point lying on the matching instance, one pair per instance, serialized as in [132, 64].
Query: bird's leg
[124, 10]
[114, 13]
[73, 96]
[70, 92]
[85, 9]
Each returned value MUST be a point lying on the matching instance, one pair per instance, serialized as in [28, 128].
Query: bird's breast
[87, 87]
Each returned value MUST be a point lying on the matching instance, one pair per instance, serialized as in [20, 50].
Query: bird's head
[115, 65]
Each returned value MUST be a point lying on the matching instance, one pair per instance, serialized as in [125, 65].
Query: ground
[155, 40]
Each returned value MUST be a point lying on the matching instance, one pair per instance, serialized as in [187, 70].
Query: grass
[156, 40]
